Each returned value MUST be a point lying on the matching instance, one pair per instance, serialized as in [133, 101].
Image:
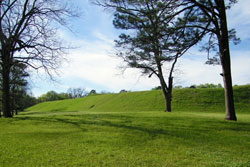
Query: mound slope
[187, 99]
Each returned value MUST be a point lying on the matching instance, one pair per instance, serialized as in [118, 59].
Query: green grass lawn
[126, 139]
[130, 130]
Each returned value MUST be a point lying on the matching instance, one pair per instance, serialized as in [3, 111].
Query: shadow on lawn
[61, 110]
[194, 130]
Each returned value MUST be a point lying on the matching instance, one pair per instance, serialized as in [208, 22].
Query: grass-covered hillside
[188, 99]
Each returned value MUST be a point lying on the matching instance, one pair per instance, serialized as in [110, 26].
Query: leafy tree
[210, 16]
[28, 35]
[26, 100]
[92, 92]
[18, 85]
[178, 87]
[207, 85]
[123, 91]
[151, 40]
[157, 88]
[53, 96]
[63, 96]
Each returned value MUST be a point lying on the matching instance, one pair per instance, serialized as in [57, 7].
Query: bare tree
[76, 92]
[28, 35]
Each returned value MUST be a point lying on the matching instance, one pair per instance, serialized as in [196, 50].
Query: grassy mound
[183, 100]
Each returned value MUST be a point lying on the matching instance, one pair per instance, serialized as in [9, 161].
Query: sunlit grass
[130, 130]
[205, 100]
[125, 139]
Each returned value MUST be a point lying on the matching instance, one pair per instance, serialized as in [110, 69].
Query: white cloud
[94, 65]
[238, 18]
[94, 62]
[195, 71]
[241, 67]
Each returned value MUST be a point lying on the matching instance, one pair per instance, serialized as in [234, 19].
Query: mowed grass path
[124, 139]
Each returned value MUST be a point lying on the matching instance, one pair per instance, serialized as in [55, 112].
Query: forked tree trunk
[167, 97]
[226, 64]
[167, 89]
[165, 92]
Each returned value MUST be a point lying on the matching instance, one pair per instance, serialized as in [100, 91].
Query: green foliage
[92, 92]
[157, 88]
[178, 87]
[53, 96]
[152, 38]
[207, 85]
[19, 96]
[123, 91]
[26, 100]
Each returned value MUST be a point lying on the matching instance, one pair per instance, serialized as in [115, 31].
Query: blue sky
[93, 65]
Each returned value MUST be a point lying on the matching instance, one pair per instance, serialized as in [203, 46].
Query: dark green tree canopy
[151, 37]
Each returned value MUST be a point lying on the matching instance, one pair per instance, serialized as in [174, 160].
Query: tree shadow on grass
[61, 110]
[52, 119]
[193, 132]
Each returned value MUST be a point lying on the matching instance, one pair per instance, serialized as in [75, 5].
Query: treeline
[21, 98]
[206, 85]
[71, 93]
[19, 95]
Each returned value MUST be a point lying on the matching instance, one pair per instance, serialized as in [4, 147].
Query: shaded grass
[125, 139]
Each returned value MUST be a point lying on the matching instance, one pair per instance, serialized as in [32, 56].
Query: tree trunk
[165, 92]
[166, 97]
[168, 102]
[13, 100]
[226, 65]
[169, 94]
[6, 89]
